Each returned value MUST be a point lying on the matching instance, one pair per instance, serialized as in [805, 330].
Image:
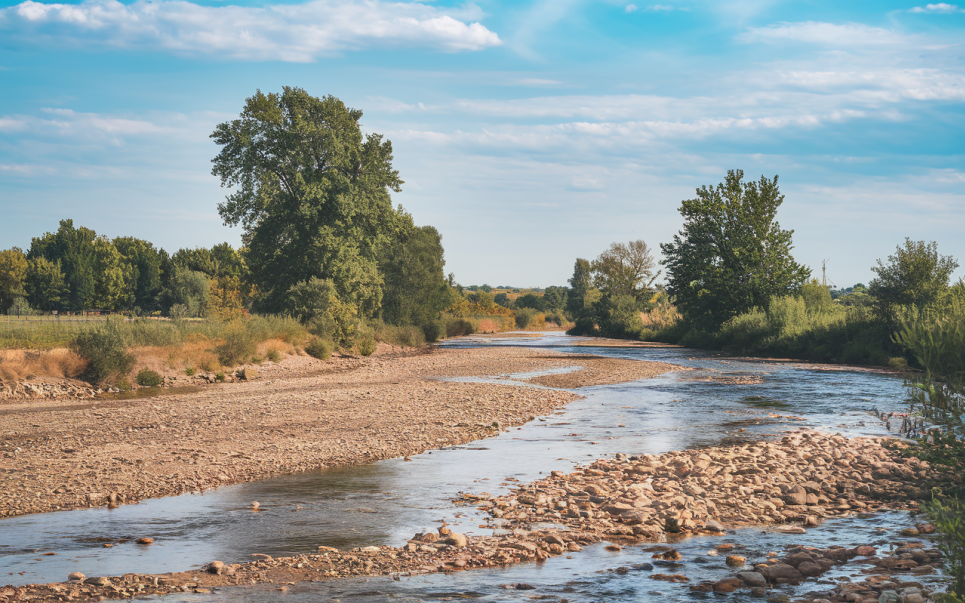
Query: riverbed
[721, 401]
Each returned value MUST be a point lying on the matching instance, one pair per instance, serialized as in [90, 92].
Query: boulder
[456, 539]
[248, 373]
[76, 576]
[810, 569]
[98, 581]
[753, 579]
[735, 560]
[727, 585]
[215, 567]
[781, 573]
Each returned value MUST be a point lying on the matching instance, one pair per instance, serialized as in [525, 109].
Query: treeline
[732, 284]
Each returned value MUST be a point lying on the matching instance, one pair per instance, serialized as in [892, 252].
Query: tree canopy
[312, 194]
[731, 254]
[916, 275]
[416, 290]
[626, 269]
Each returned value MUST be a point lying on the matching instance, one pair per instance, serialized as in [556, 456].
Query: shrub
[273, 355]
[190, 371]
[122, 384]
[219, 376]
[366, 343]
[407, 336]
[584, 326]
[238, 345]
[105, 350]
[524, 315]
[148, 378]
[319, 348]
[434, 331]
[948, 517]
[456, 327]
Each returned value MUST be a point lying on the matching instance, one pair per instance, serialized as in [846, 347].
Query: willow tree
[312, 194]
[731, 254]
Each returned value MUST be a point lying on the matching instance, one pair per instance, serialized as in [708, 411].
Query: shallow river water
[386, 502]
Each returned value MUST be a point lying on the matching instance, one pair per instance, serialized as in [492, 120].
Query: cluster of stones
[801, 563]
[46, 390]
[805, 477]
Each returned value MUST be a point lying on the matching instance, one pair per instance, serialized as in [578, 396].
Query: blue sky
[528, 133]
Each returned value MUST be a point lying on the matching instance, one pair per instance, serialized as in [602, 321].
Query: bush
[273, 355]
[238, 345]
[366, 343]
[584, 326]
[219, 376]
[434, 331]
[148, 378]
[319, 348]
[105, 350]
[457, 327]
[190, 371]
[524, 315]
[948, 517]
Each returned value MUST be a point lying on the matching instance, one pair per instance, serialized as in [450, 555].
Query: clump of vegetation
[148, 378]
[190, 371]
[219, 376]
[406, 336]
[319, 348]
[457, 327]
[238, 345]
[105, 350]
[273, 355]
[366, 343]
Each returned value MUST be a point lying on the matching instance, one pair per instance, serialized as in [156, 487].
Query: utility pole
[824, 273]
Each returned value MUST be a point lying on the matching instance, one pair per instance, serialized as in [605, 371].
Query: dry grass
[17, 365]
[276, 345]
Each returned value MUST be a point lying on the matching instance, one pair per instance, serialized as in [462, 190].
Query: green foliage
[415, 289]
[316, 303]
[190, 371]
[311, 192]
[817, 297]
[584, 326]
[20, 307]
[583, 295]
[948, 517]
[914, 276]
[434, 331]
[619, 316]
[626, 269]
[273, 355]
[238, 345]
[13, 273]
[529, 300]
[366, 343]
[319, 348]
[219, 377]
[731, 255]
[406, 336]
[45, 285]
[105, 350]
[190, 289]
[524, 315]
[457, 327]
[555, 298]
[148, 378]
[503, 300]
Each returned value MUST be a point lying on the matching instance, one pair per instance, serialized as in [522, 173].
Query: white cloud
[941, 7]
[286, 32]
[631, 8]
[662, 8]
[826, 34]
[10, 124]
[25, 169]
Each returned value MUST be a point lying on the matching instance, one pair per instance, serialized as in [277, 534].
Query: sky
[529, 133]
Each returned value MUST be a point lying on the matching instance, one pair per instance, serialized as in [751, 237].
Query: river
[722, 400]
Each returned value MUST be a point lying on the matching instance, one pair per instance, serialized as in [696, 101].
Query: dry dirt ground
[301, 414]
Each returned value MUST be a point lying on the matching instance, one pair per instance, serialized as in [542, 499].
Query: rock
[780, 573]
[908, 532]
[810, 569]
[727, 585]
[554, 539]
[753, 579]
[369, 550]
[758, 591]
[889, 596]
[735, 560]
[98, 581]
[573, 546]
[524, 586]
[865, 551]
[714, 526]
[911, 598]
[248, 373]
[792, 530]
[76, 576]
[796, 495]
[613, 547]
[456, 539]
[215, 567]
[145, 541]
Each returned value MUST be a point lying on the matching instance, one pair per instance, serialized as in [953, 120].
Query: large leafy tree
[142, 273]
[13, 270]
[626, 269]
[731, 254]
[916, 275]
[582, 292]
[312, 193]
[416, 290]
[45, 284]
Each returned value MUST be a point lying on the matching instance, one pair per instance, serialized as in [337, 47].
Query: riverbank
[789, 485]
[302, 414]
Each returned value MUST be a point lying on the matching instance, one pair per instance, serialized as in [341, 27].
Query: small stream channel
[386, 502]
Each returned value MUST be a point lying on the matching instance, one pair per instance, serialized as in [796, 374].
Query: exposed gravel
[301, 414]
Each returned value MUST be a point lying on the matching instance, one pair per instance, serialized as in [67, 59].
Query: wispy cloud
[816, 32]
[941, 7]
[654, 8]
[284, 32]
